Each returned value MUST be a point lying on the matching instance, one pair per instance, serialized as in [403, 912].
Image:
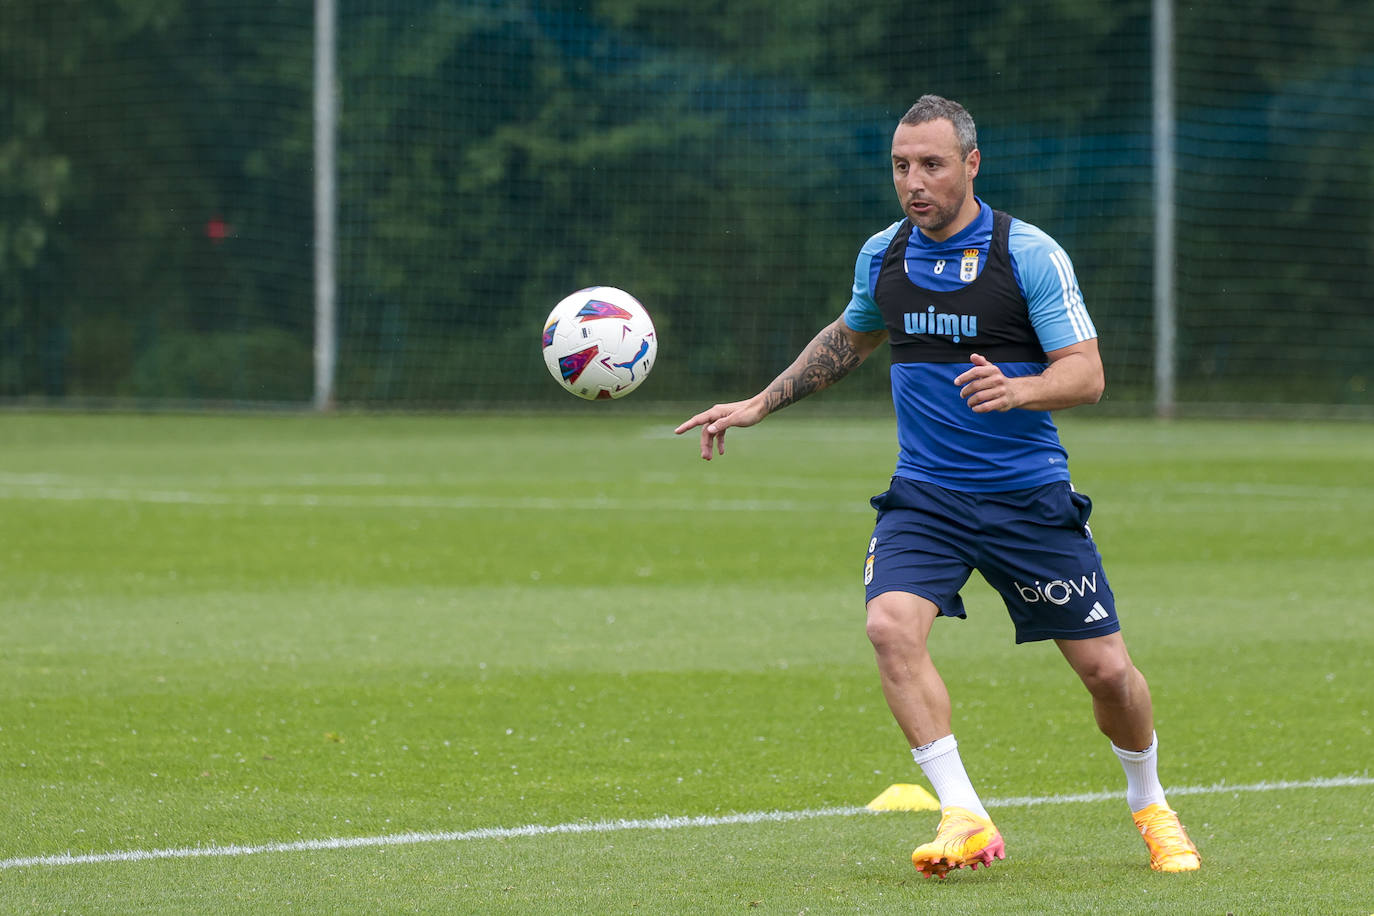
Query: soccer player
[988, 334]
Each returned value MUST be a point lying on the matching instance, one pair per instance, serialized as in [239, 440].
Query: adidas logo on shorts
[1098, 613]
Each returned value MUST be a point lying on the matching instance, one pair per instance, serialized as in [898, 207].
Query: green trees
[722, 161]
[145, 133]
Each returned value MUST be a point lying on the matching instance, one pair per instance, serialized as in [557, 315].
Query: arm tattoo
[826, 360]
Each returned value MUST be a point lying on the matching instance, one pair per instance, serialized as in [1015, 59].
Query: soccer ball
[599, 343]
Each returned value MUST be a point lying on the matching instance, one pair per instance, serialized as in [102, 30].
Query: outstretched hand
[984, 387]
[716, 420]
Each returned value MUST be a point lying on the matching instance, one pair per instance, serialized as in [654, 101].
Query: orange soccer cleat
[1170, 848]
[964, 838]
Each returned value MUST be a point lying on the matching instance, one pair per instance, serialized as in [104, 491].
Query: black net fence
[721, 161]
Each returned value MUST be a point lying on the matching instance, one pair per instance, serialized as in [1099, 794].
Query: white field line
[656, 823]
[326, 501]
[1279, 501]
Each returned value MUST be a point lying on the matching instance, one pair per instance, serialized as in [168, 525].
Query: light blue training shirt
[941, 440]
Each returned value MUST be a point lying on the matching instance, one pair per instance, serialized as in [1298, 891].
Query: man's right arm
[831, 355]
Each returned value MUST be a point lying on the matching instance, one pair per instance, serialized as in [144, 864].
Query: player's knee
[1110, 678]
[882, 630]
[891, 624]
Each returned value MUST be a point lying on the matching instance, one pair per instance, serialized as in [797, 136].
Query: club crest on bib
[968, 265]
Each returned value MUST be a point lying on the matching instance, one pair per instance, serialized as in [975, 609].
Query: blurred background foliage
[722, 161]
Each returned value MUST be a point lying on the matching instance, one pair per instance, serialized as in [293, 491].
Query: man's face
[934, 182]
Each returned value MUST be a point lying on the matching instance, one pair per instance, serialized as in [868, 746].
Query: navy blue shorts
[1033, 546]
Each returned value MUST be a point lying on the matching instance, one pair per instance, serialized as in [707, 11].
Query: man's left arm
[1074, 376]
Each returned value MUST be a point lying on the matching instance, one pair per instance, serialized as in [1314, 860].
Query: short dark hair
[934, 107]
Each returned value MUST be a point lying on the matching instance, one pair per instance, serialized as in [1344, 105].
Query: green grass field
[221, 633]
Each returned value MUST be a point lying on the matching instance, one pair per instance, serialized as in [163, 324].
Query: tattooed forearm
[827, 359]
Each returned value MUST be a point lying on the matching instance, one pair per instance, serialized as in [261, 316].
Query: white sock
[1142, 775]
[940, 761]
